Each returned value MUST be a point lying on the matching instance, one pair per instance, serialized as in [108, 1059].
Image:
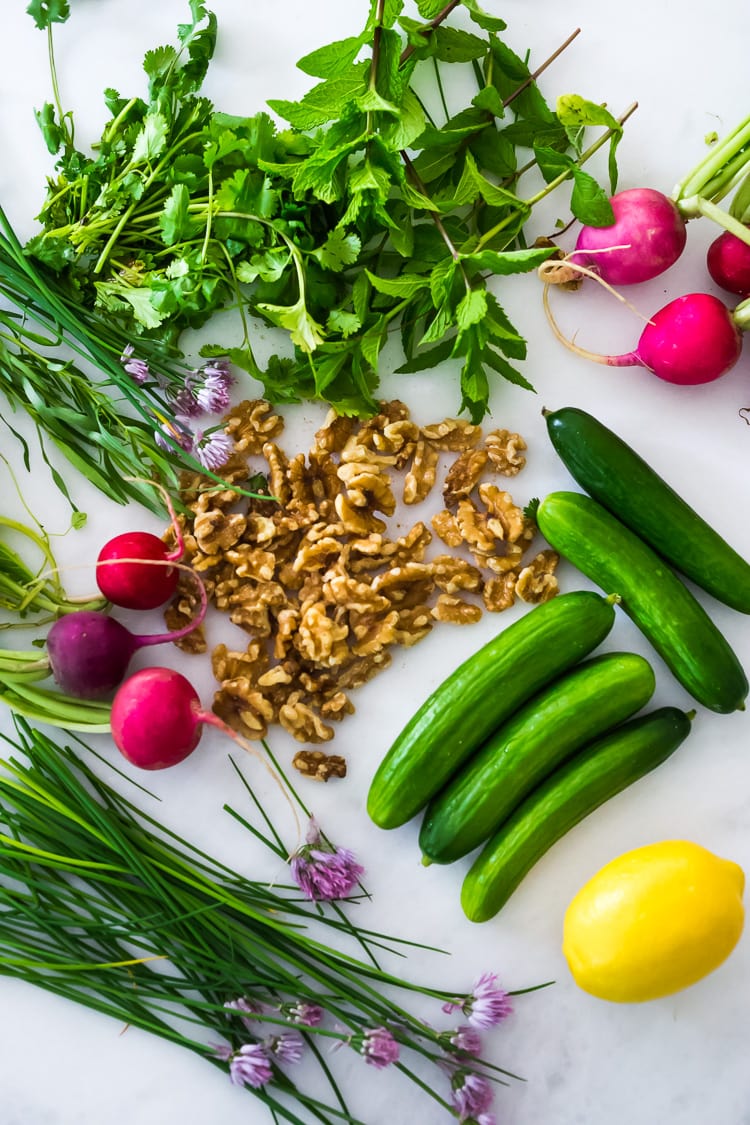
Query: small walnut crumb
[537, 582]
[318, 765]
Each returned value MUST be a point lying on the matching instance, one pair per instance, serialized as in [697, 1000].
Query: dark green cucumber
[483, 691]
[660, 604]
[557, 722]
[614, 474]
[593, 776]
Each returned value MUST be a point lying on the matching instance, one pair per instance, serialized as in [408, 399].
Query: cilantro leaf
[303, 330]
[339, 250]
[175, 221]
[46, 12]
[54, 135]
[151, 139]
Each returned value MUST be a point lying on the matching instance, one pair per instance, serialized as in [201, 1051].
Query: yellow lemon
[653, 921]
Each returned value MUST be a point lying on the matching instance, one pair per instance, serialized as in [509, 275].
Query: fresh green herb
[367, 216]
[101, 904]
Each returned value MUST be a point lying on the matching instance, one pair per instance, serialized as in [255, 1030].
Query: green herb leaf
[339, 250]
[46, 12]
[303, 330]
[482, 18]
[53, 133]
[151, 140]
[404, 286]
[334, 59]
[452, 45]
[589, 202]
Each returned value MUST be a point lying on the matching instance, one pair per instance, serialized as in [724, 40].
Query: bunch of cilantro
[365, 215]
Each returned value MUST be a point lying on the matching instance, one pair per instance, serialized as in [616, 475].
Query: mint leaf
[576, 112]
[505, 262]
[325, 101]
[404, 286]
[46, 12]
[483, 19]
[452, 45]
[428, 9]
[589, 202]
[333, 60]
[471, 309]
[489, 99]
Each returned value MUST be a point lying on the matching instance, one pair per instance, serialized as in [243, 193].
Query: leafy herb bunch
[367, 215]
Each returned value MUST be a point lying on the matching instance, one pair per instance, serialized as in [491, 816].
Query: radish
[157, 721]
[89, 652]
[157, 718]
[133, 571]
[646, 238]
[693, 339]
[127, 576]
[728, 261]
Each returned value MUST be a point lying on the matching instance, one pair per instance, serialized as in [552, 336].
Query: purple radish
[693, 339]
[728, 261]
[646, 238]
[157, 718]
[89, 652]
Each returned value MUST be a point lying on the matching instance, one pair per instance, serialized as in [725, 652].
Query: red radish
[133, 570]
[157, 718]
[127, 581]
[647, 237]
[693, 339]
[89, 652]
[728, 261]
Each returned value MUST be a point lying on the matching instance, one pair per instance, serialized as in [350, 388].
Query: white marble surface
[681, 1060]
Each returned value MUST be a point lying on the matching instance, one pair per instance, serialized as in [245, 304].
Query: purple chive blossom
[250, 1066]
[178, 435]
[243, 1005]
[307, 1015]
[212, 394]
[471, 1094]
[467, 1040]
[322, 871]
[486, 1005]
[137, 369]
[213, 450]
[378, 1047]
[186, 403]
[288, 1047]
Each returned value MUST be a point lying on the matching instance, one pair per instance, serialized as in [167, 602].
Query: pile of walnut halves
[313, 577]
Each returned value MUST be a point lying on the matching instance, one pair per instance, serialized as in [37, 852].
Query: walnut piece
[318, 765]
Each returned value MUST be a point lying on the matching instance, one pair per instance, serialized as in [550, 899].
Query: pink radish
[157, 718]
[728, 261]
[133, 570]
[89, 652]
[693, 339]
[647, 237]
